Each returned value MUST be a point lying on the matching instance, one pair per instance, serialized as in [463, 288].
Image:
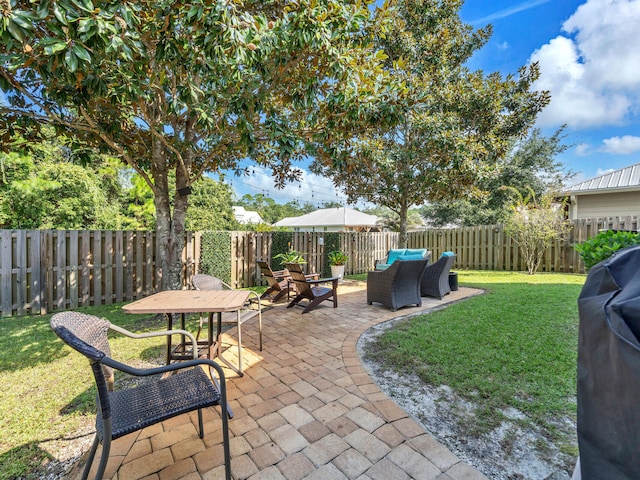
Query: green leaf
[15, 31]
[86, 24]
[59, 14]
[85, 5]
[22, 20]
[71, 60]
[81, 53]
[55, 47]
[43, 9]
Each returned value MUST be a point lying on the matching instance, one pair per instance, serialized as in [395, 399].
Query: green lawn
[515, 346]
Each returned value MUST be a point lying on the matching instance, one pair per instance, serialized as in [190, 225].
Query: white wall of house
[613, 204]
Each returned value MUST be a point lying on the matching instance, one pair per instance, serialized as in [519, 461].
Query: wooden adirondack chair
[278, 284]
[308, 289]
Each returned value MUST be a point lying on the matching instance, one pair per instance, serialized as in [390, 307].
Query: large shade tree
[456, 126]
[531, 167]
[189, 87]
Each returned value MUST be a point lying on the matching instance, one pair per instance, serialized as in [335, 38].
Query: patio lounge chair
[277, 281]
[201, 281]
[435, 281]
[131, 409]
[307, 288]
[398, 285]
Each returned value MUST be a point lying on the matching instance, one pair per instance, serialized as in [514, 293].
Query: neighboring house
[615, 194]
[246, 217]
[339, 219]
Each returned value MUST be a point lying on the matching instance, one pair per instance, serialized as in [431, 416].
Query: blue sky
[589, 60]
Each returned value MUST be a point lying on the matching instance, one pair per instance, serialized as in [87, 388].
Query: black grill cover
[609, 369]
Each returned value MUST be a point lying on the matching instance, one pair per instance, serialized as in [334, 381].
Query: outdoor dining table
[172, 302]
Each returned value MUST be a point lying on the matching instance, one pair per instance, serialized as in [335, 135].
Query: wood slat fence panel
[46, 270]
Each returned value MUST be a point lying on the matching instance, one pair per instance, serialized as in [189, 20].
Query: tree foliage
[210, 207]
[531, 166]
[42, 186]
[535, 224]
[456, 124]
[190, 87]
[391, 220]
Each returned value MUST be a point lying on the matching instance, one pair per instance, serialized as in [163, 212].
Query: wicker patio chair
[202, 281]
[308, 289]
[159, 398]
[435, 281]
[398, 285]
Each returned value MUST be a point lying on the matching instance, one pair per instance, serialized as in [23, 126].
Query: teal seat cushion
[413, 256]
[447, 254]
[402, 254]
[394, 254]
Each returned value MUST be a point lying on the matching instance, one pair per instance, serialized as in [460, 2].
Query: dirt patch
[509, 452]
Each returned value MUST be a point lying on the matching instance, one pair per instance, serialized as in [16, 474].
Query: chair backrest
[266, 271]
[206, 282]
[87, 335]
[444, 264]
[409, 271]
[297, 275]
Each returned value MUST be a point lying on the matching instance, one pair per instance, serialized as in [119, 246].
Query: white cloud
[593, 73]
[624, 145]
[583, 150]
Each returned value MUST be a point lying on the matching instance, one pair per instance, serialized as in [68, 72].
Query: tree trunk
[169, 228]
[403, 238]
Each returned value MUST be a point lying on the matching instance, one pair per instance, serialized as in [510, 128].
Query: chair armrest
[172, 367]
[281, 274]
[164, 333]
[324, 280]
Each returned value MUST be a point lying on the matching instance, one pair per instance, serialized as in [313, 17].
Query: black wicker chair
[159, 398]
[202, 281]
[398, 285]
[435, 281]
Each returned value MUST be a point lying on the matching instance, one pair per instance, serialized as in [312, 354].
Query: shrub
[292, 256]
[337, 258]
[535, 225]
[605, 244]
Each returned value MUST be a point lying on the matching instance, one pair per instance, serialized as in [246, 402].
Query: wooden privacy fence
[46, 270]
[43, 271]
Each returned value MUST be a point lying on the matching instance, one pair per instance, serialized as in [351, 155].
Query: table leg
[169, 327]
[215, 350]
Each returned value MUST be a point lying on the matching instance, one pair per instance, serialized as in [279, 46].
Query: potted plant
[292, 256]
[337, 261]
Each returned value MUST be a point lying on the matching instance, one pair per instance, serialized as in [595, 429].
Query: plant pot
[337, 271]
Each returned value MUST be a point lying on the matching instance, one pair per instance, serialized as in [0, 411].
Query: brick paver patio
[305, 409]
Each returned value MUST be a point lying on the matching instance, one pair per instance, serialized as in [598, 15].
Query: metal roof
[328, 217]
[623, 179]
